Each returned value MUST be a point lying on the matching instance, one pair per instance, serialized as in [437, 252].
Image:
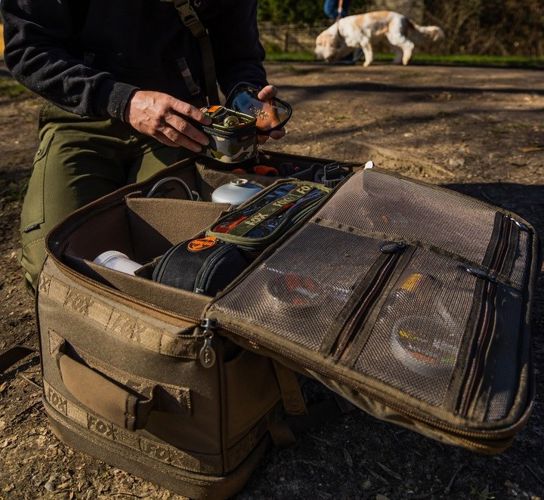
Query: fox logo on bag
[202, 244]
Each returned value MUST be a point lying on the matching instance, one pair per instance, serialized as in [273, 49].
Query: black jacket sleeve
[39, 51]
[235, 38]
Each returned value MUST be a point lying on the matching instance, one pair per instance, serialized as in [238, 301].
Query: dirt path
[478, 131]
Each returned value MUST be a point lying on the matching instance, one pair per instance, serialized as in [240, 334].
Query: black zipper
[358, 316]
[486, 322]
[208, 267]
[501, 252]
[486, 326]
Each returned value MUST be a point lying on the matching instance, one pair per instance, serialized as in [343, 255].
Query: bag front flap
[412, 296]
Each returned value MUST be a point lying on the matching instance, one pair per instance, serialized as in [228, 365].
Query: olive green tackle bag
[411, 301]
[123, 356]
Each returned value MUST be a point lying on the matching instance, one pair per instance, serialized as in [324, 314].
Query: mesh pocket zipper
[209, 267]
[364, 305]
[485, 325]
[486, 319]
[501, 249]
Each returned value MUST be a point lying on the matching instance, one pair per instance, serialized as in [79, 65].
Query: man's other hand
[164, 118]
[266, 94]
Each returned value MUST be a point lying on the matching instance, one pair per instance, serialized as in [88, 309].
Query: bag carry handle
[102, 396]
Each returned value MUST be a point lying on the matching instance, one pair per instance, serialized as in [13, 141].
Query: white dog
[353, 32]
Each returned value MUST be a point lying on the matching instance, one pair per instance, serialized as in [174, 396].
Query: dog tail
[434, 33]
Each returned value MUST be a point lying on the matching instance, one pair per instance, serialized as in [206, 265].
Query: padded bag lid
[409, 300]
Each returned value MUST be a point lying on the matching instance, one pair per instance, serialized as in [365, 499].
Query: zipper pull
[392, 247]
[480, 273]
[207, 355]
[522, 226]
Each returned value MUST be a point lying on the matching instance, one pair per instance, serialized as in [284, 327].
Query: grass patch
[289, 56]
[11, 88]
[427, 59]
[473, 60]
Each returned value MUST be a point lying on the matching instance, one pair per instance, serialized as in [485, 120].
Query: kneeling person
[123, 81]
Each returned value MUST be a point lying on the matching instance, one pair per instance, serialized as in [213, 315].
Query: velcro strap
[189, 18]
[101, 395]
[293, 400]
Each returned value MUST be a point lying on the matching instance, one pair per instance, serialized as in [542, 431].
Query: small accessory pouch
[234, 128]
[233, 136]
[203, 265]
[270, 214]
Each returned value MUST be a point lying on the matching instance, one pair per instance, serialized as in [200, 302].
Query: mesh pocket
[330, 286]
[380, 203]
[298, 292]
[416, 340]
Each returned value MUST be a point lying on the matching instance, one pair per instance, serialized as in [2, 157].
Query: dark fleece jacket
[89, 56]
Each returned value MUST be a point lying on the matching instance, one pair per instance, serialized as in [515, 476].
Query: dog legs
[367, 51]
[398, 55]
[407, 49]
[403, 47]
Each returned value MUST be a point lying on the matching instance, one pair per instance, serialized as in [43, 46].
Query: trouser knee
[76, 163]
[32, 259]
[33, 217]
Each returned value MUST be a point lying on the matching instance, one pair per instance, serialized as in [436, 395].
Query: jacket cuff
[113, 98]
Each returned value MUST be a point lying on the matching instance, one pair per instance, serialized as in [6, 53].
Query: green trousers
[78, 161]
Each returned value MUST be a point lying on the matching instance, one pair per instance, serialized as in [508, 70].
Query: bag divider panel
[101, 230]
[140, 288]
[157, 224]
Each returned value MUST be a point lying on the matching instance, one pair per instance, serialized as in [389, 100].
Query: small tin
[233, 136]
[235, 126]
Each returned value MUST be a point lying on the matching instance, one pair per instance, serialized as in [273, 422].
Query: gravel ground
[480, 131]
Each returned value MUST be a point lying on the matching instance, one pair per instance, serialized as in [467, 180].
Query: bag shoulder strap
[190, 19]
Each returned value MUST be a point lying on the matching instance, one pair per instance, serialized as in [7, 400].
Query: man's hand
[266, 94]
[164, 118]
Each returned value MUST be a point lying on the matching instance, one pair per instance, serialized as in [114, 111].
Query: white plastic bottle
[118, 261]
